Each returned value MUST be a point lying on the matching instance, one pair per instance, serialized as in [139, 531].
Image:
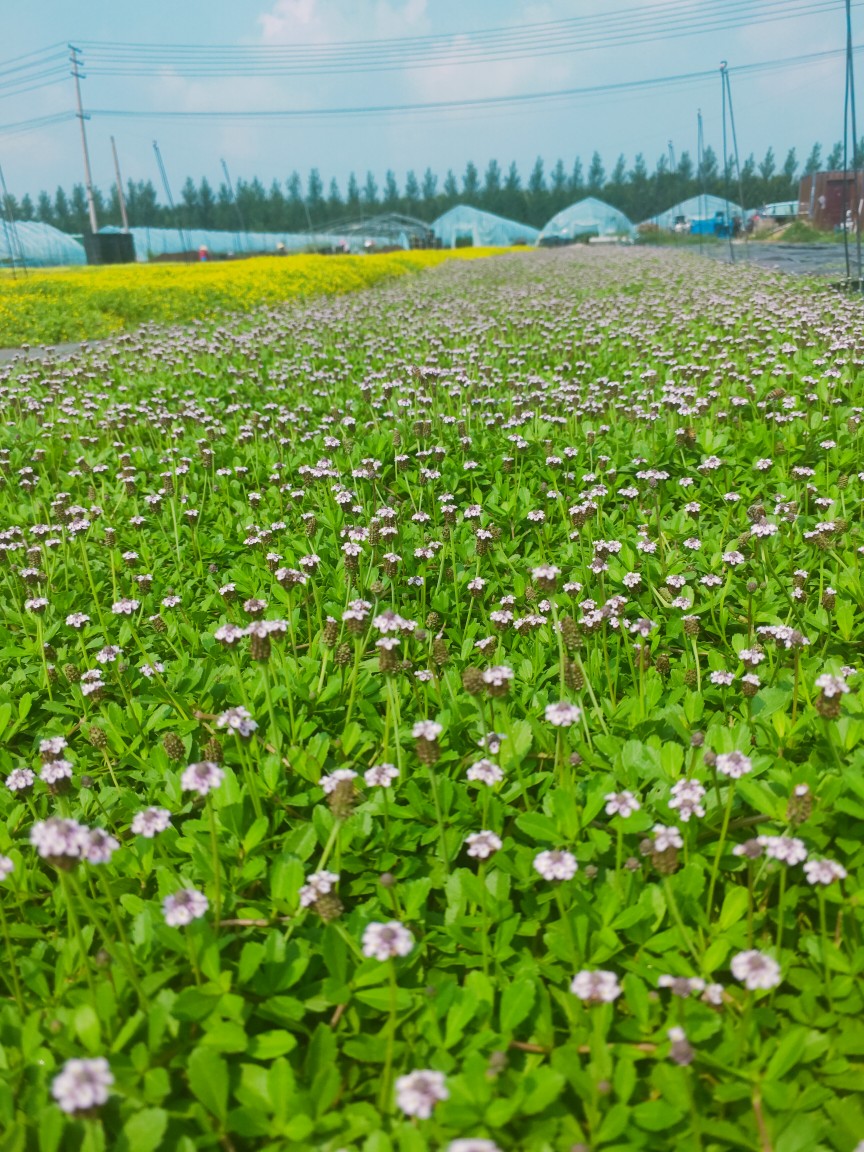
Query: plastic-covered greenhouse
[696, 208]
[464, 226]
[587, 218]
[155, 242]
[36, 245]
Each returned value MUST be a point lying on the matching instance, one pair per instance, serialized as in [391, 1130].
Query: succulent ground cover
[76, 304]
[432, 719]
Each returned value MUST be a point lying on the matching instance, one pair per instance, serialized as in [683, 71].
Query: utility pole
[120, 195]
[242, 233]
[184, 240]
[75, 58]
[850, 89]
[700, 168]
[672, 165]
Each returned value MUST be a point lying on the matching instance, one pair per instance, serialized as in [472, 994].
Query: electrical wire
[476, 103]
[660, 22]
[36, 123]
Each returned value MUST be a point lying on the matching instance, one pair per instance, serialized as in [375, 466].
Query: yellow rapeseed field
[91, 303]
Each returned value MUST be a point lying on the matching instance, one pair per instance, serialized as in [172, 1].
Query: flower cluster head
[181, 908]
[482, 844]
[419, 1092]
[687, 798]
[317, 884]
[7, 867]
[562, 714]
[237, 720]
[622, 804]
[733, 764]
[59, 840]
[485, 772]
[380, 775]
[202, 777]
[428, 730]
[824, 871]
[340, 776]
[473, 1145]
[82, 1085]
[383, 941]
[755, 970]
[556, 864]
[598, 987]
[831, 686]
[150, 822]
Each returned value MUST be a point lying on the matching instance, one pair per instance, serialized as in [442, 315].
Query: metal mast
[120, 195]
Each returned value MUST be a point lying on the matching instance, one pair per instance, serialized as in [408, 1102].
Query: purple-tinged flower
[82, 1085]
[181, 908]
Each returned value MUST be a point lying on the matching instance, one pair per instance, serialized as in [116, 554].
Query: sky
[789, 107]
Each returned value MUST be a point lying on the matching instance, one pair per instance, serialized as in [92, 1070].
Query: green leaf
[208, 1078]
[143, 1131]
[269, 1045]
[516, 1002]
[536, 826]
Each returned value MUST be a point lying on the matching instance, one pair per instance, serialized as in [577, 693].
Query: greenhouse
[153, 243]
[585, 219]
[696, 208]
[467, 227]
[30, 244]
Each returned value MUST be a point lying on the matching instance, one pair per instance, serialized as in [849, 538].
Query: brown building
[824, 198]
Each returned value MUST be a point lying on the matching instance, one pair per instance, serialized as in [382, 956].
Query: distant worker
[280, 249]
[203, 253]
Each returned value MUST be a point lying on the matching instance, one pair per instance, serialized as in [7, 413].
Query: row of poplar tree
[298, 206]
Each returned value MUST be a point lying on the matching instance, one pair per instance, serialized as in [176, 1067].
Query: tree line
[299, 205]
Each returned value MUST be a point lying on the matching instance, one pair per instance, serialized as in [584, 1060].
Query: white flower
[831, 686]
[100, 847]
[202, 777]
[687, 799]
[755, 970]
[824, 871]
[485, 772]
[56, 770]
[733, 764]
[57, 838]
[237, 720]
[382, 941]
[150, 822]
[77, 620]
[788, 849]
[596, 987]
[7, 867]
[724, 679]
[380, 775]
[125, 607]
[621, 804]
[427, 730]
[82, 1084]
[419, 1092]
[556, 865]
[19, 779]
[482, 844]
[497, 675]
[472, 1144]
[108, 654]
[562, 714]
[181, 908]
[666, 838]
[331, 782]
[317, 884]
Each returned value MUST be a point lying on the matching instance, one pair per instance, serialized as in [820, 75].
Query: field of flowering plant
[75, 304]
[432, 721]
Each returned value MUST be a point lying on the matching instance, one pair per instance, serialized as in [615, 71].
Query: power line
[645, 25]
[36, 122]
[479, 103]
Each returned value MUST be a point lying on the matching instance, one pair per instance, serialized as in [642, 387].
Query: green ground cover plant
[432, 720]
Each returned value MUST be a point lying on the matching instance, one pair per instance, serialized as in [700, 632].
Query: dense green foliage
[297, 205]
[561, 550]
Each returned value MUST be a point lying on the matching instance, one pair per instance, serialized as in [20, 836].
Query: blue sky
[783, 109]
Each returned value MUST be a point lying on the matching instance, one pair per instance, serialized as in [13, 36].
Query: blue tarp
[37, 246]
[586, 218]
[697, 208]
[150, 242]
[464, 225]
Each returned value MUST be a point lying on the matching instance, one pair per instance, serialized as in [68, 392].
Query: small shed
[583, 220]
[825, 198]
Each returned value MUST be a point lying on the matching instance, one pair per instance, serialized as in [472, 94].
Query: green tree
[814, 161]
[391, 199]
[62, 213]
[25, 208]
[207, 203]
[576, 187]
[44, 209]
[412, 193]
[835, 157]
[491, 195]
[471, 184]
[429, 187]
[451, 189]
[353, 201]
[596, 174]
[370, 192]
